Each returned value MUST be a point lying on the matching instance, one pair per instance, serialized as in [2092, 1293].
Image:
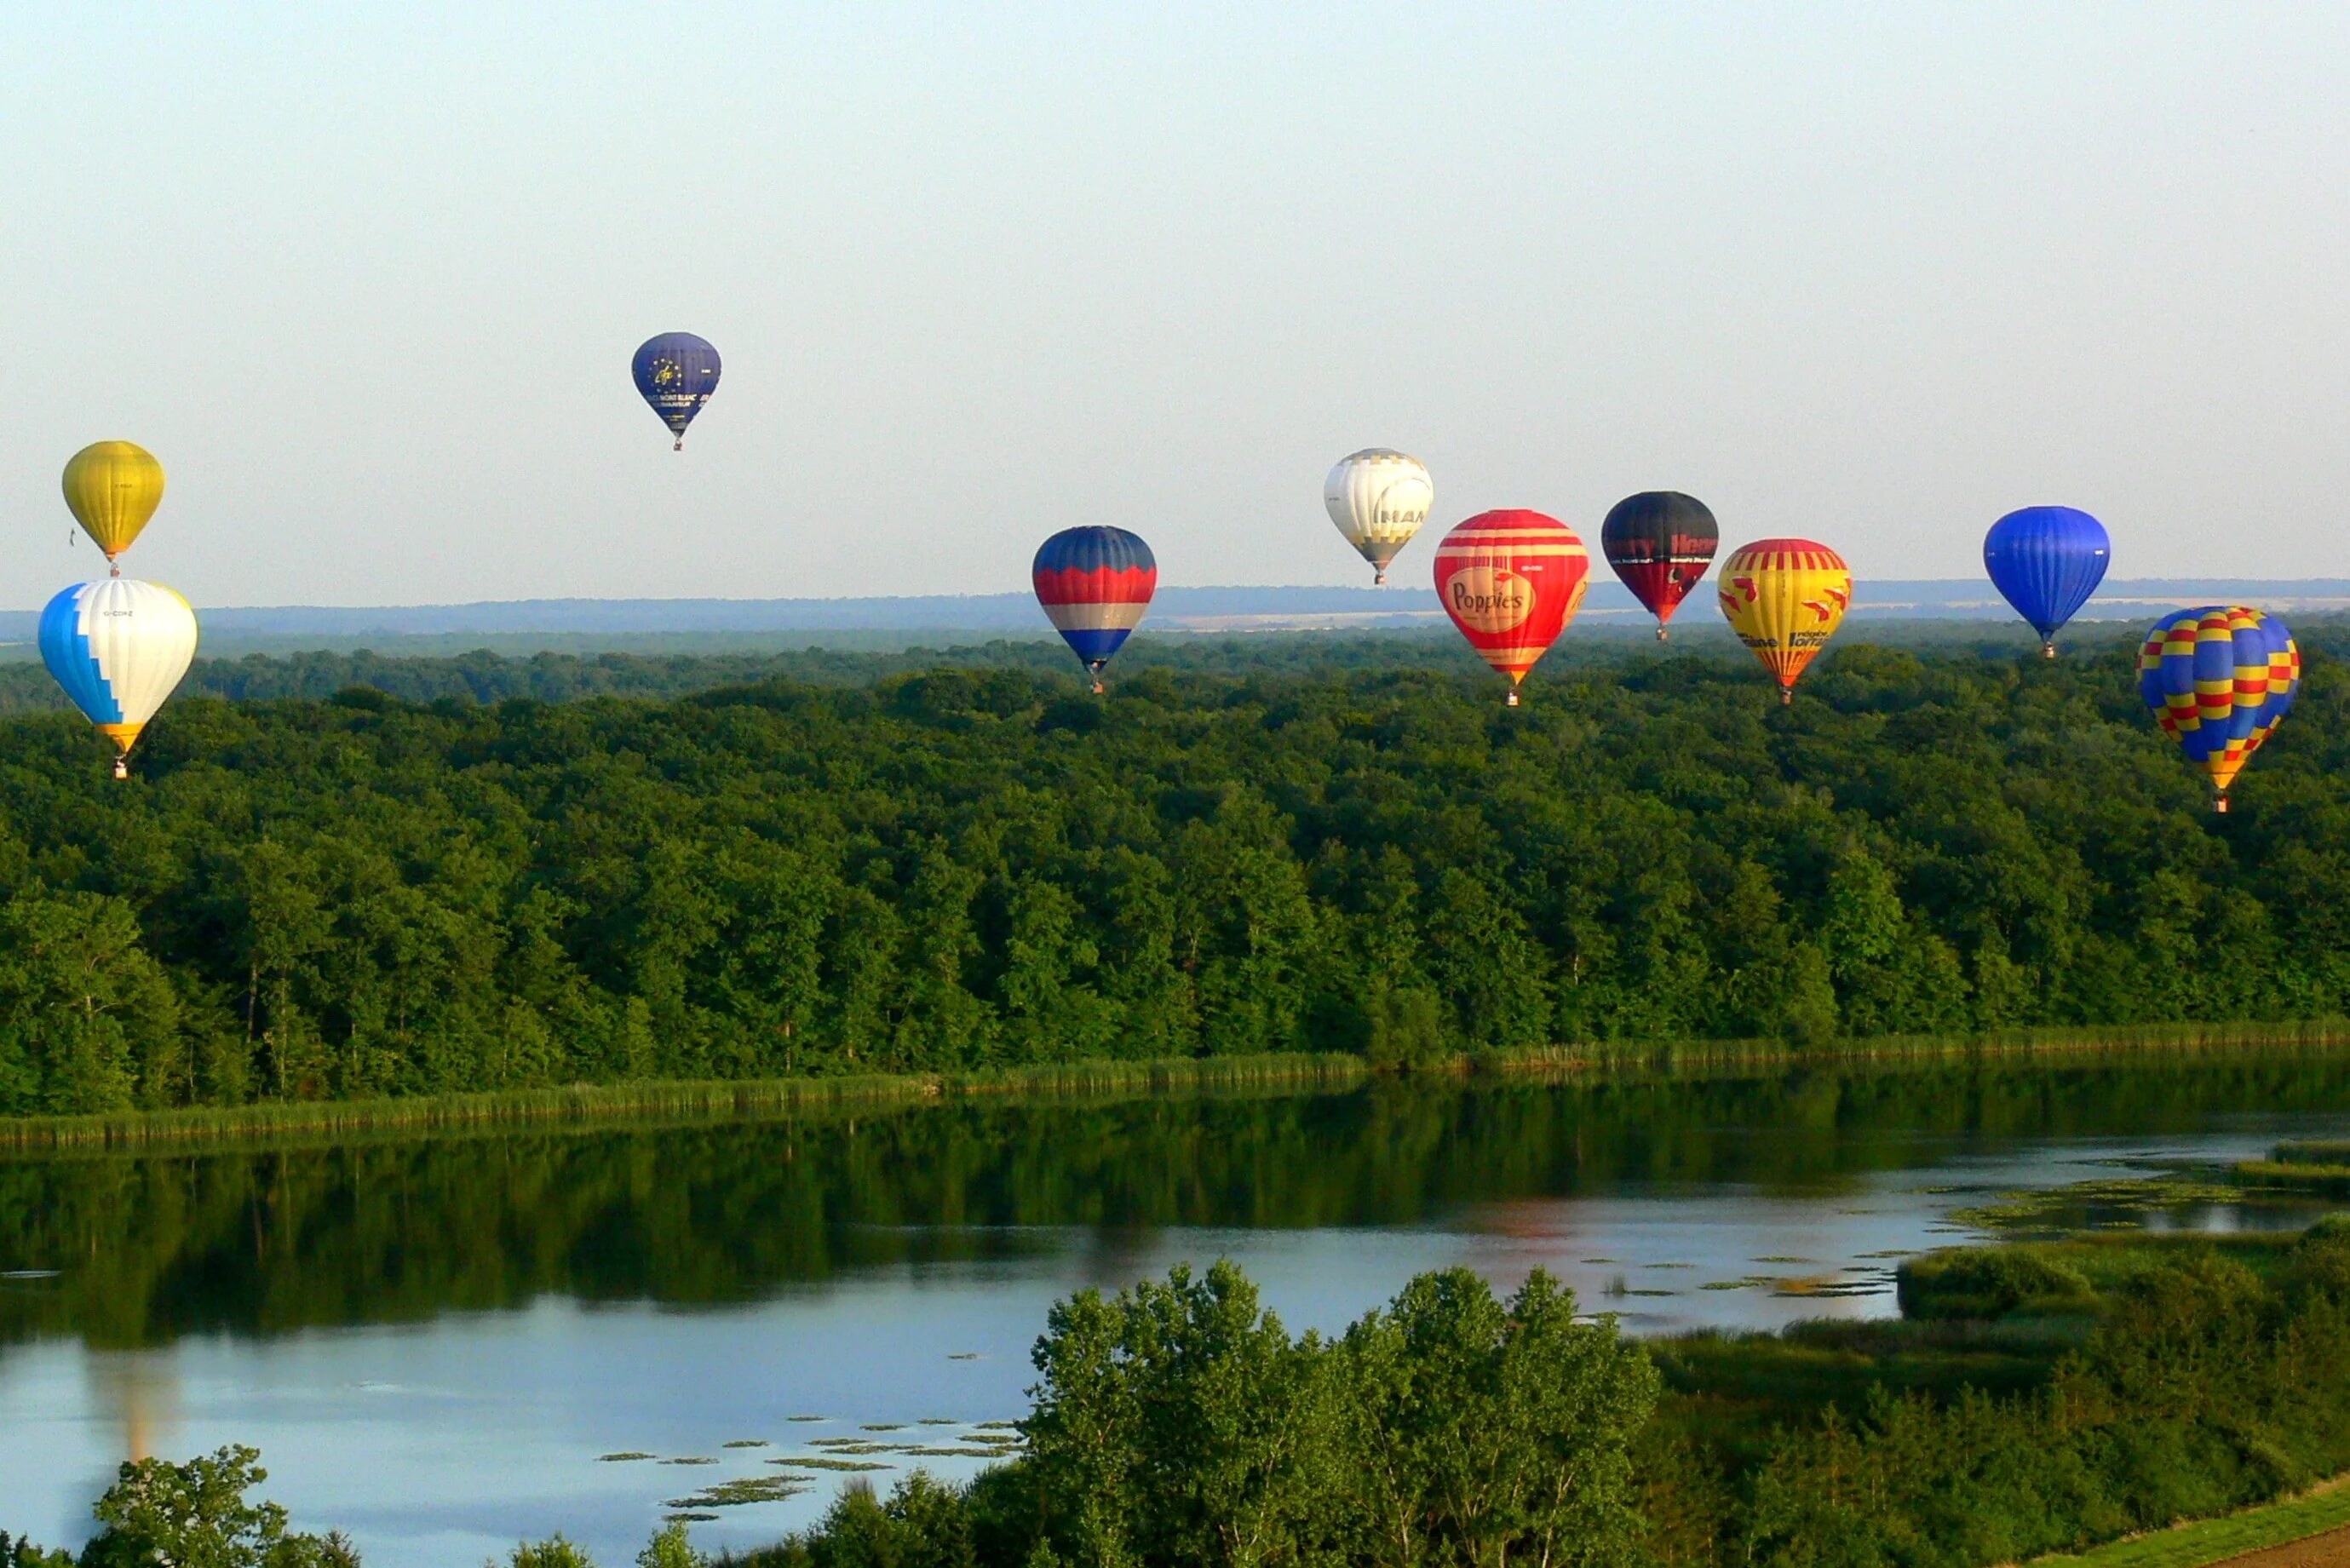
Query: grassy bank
[2209, 1540]
[661, 1102]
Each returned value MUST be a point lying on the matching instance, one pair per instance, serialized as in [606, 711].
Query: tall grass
[2160, 1039]
[657, 1102]
[2313, 1151]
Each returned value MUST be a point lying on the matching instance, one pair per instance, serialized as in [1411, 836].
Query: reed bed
[2313, 1151]
[1686, 1056]
[659, 1102]
[655, 1103]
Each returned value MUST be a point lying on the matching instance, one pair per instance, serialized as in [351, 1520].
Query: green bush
[1989, 1283]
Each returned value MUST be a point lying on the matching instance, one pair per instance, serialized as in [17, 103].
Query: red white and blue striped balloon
[1095, 583]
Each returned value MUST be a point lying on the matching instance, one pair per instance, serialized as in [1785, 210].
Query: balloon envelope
[118, 646]
[1784, 598]
[1378, 499]
[2047, 561]
[112, 488]
[1095, 582]
[1511, 580]
[2220, 678]
[1659, 542]
[676, 372]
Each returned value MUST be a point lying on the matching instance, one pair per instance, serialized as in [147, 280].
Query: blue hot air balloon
[676, 372]
[1095, 583]
[2047, 561]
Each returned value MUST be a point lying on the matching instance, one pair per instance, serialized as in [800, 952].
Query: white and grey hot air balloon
[1378, 499]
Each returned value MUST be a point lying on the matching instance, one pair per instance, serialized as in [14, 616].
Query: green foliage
[948, 870]
[554, 1552]
[1480, 1432]
[2203, 1388]
[670, 1547]
[17, 1552]
[2218, 1539]
[158, 1514]
[1988, 1282]
[1178, 1423]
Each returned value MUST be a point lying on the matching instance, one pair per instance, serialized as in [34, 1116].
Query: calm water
[432, 1341]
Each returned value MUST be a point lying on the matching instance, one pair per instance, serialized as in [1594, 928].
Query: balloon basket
[1512, 700]
[1786, 696]
[122, 767]
[1097, 689]
[2048, 651]
[2219, 802]
[1378, 579]
[1662, 636]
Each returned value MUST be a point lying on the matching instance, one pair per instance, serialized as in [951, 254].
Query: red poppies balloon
[1510, 581]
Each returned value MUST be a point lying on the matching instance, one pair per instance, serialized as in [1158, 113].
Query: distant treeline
[971, 866]
[681, 664]
[480, 676]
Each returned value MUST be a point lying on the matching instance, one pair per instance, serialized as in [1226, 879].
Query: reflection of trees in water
[153, 1246]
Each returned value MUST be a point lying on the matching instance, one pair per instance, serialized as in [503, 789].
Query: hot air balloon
[1095, 583]
[118, 646]
[2047, 561]
[1510, 581]
[1784, 598]
[1659, 542]
[1378, 499]
[112, 488]
[676, 372]
[2219, 680]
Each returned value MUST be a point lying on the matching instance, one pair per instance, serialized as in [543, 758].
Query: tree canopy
[960, 866]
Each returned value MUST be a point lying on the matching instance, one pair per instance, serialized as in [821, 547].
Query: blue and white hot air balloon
[119, 647]
[2047, 561]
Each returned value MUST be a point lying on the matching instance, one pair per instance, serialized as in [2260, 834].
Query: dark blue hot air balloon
[2047, 561]
[676, 372]
[1095, 582]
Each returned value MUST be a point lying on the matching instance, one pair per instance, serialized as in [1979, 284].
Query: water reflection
[432, 1340]
[148, 1248]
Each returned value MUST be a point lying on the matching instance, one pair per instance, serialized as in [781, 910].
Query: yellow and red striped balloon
[1784, 598]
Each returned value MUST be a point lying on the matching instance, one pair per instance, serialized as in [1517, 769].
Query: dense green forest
[958, 867]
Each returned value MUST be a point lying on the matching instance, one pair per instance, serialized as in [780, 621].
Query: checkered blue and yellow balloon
[2218, 681]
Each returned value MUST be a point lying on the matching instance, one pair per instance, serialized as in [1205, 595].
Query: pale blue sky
[367, 278]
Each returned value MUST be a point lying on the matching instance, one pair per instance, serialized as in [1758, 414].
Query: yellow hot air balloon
[1784, 598]
[112, 488]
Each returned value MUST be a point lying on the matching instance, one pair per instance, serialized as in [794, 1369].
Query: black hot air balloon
[1660, 543]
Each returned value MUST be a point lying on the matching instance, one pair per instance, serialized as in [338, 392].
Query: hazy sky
[367, 278]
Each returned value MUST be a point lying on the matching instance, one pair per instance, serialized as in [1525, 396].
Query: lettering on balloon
[1488, 598]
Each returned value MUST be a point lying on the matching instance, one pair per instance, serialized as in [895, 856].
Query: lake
[434, 1340]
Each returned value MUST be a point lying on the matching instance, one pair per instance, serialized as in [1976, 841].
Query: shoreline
[663, 1102]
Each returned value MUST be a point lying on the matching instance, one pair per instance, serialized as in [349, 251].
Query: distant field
[733, 625]
[564, 666]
